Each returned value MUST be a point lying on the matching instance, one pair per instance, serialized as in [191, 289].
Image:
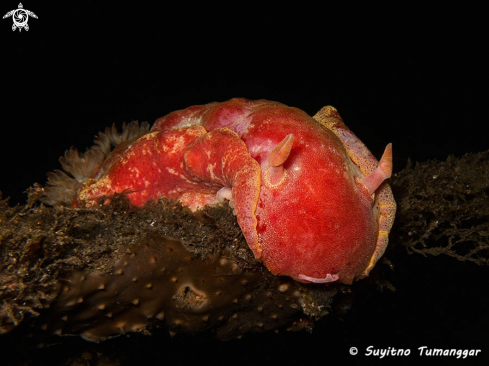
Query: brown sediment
[116, 269]
[443, 208]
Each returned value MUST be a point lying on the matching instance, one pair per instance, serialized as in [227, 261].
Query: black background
[414, 76]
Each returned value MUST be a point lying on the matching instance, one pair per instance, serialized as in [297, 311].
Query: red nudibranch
[310, 198]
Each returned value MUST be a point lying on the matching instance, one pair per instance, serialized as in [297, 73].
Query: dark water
[414, 77]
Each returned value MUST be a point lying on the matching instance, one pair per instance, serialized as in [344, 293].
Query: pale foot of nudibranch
[327, 279]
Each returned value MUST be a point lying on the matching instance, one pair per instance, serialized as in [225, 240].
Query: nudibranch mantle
[311, 200]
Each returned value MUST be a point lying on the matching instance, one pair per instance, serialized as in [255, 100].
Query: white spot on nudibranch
[172, 171]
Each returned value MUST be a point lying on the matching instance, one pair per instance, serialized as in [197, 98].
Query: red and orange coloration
[310, 198]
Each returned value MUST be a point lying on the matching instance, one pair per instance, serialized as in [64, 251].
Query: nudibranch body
[310, 198]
